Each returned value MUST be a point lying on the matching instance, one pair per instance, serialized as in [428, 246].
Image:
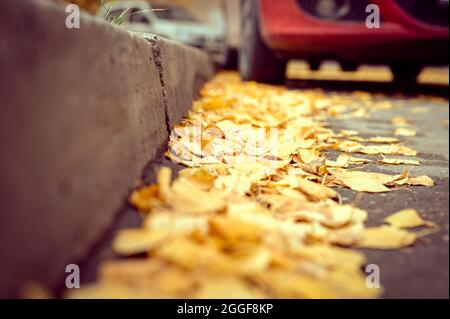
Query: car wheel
[231, 59]
[406, 74]
[256, 61]
[314, 65]
[349, 66]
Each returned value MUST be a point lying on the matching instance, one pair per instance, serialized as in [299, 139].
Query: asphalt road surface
[420, 271]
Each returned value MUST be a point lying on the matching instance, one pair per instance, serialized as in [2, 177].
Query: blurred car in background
[231, 10]
[412, 33]
[169, 21]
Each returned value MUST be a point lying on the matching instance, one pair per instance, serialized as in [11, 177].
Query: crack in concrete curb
[156, 51]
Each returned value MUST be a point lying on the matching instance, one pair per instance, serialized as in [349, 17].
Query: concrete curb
[83, 111]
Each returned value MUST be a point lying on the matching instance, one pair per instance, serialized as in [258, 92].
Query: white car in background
[169, 21]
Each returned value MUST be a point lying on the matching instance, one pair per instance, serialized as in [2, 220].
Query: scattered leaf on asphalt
[387, 149]
[386, 237]
[399, 161]
[399, 121]
[380, 139]
[419, 110]
[349, 132]
[401, 131]
[361, 181]
[344, 159]
[406, 218]
[373, 182]
[421, 181]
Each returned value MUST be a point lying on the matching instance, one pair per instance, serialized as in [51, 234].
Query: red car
[408, 35]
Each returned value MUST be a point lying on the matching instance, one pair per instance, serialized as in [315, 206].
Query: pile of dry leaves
[254, 214]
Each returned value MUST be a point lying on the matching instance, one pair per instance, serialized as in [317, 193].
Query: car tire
[231, 59]
[256, 61]
[349, 66]
[314, 65]
[405, 74]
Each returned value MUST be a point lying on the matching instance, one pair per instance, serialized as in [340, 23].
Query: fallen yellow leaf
[135, 241]
[401, 131]
[399, 161]
[380, 139]
[406, 218]
[399, 121]
[421, 181]
[386, 237]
